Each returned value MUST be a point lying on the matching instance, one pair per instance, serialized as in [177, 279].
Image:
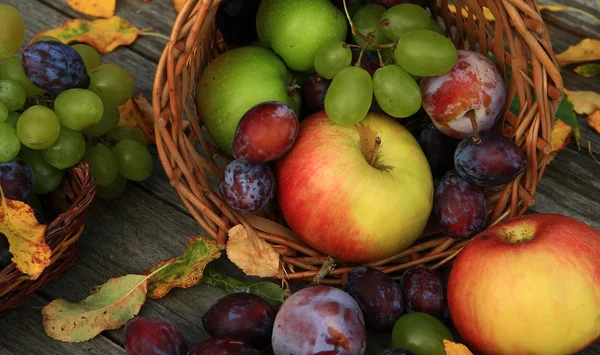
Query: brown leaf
[147, 123]
[585, 51]
[131, 115]
[453, 348]
[561, 136]
[26, 237]
[593, 120]
[251, 253]
[185, 270]
[104, 35]
[584, 102]
[96, 8]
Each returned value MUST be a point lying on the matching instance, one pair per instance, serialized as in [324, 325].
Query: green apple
[296, 29]
[236, 81]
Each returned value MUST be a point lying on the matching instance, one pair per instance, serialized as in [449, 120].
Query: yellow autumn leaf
[593, 120]
[486, 12]
[568, 8]
[585, 51]
[178, 4]
[251, 253]
[96, 8]
[561, 136]
[26, 237]
[585, 102]
[131, 115]
[456, 348]
[104, 35]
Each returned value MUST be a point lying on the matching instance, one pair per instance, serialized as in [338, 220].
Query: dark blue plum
[147, 336]
[495, 161]
[378, 296]
[438, 148]
[243, 315]
[5, 255]
[459, 206]
[236, 19]
[223, 346]
[16, 179]
[395, 351]
[54, 67]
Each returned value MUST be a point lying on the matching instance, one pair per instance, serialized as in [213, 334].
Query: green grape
[108, 122]
[12, 94]
[68, 149]
[9, 143]
[12, 31]
[91, 58]
[349, 96]
[103, 163]
[365, 21]
[38, 127]
[13, 118]
[135, 163]
[46, 38]
[112, 83]
[396, 92]
[47, 177]
[332, 57]
[435, 26]
[78, 109]
[403, 18]
[3, 112]
[12, 69]
[425, 53]
[113, 190]
[127, 132]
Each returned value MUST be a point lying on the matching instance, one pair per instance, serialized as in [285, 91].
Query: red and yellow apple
[358, 192]
[530, 285]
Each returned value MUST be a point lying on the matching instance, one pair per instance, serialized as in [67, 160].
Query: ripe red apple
[473, 88]
[530, 285]
[358, 192]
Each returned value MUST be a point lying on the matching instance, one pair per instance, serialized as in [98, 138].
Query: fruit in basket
[90, 57]
[395, 351]
[16, 179]
[349, 96]
[54, 66]
[12, 31]
[390, 3]
[12, 94]
[319, 320]
[353, 5]
[11, 69]
[127, 132]
[236, 81]
[396, 91]
[9, 142]
[377, 295]
[38, 127]
[47, 177]
[223, 346]
[236, 20]
[314, 91]
[421, 334]
[496, 160]
[152, 336]
[366, 20]
[108, 124]
[529, 285]
[402, 18]
[111, 83]
[296, 29]
[103, 163]
[67, 151]
[265, 133]
[5, 255]
[438, 148]
[459, 207]
[472, 90]
[357, 193]
[135, 162]
[423, 290]
[78, 109]
[247, 187]
[332, 57]
[243, 315]
[369, 60]
[425, 53]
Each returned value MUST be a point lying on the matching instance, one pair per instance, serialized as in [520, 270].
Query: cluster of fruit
[59, 105]
[315, 319]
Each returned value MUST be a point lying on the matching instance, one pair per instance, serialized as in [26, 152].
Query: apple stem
[374, 150]
[476, 137]
[328, 266]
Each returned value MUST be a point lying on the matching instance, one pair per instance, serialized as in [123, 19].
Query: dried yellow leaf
[486, 12]
[561, 136]
[26, 237]
[96, 8]
[585, 51]
[252, 254]
[585, 102]
[593, 120]
[456, 348]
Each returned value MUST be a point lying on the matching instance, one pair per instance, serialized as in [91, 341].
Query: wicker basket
[70, 203]
[191, 161]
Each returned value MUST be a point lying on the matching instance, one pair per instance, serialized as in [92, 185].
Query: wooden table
[149, 223]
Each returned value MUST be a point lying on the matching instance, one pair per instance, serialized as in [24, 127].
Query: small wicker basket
[518, 38]
[70, 203]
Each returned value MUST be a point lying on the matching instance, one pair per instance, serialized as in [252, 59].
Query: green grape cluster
[409, 45]
[53, 132]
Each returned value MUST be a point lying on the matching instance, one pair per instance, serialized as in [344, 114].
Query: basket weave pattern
[62, 236]
[517, 38]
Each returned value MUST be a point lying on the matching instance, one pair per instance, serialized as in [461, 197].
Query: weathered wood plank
[574, 22]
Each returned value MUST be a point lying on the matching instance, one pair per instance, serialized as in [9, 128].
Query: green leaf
[185, 270]
[589, 70]
[267, 290]
[109, 307]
